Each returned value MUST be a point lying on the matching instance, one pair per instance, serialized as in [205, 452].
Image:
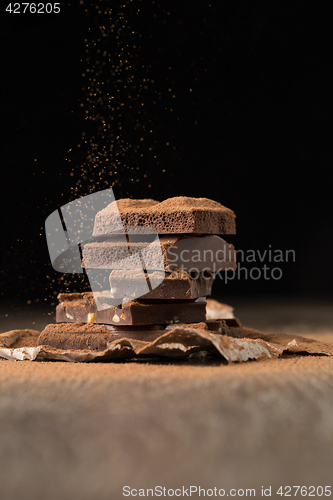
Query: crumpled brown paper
[180, 343]
[291, 344]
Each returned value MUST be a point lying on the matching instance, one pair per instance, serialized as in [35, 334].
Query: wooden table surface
[86, 430]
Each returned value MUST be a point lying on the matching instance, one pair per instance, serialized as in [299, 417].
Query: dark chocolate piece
[188, 253]
[174, 215]
[176, 285]
[96, 337]
[82, 308]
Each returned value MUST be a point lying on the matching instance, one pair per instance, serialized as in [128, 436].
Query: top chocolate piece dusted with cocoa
[177, 215]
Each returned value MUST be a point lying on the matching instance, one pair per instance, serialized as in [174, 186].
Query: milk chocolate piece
[188, 253]
[82, 308]
[174, 215]
[96, 337]
[176, 285]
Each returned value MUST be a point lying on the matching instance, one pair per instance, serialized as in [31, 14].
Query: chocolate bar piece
[174, 215]
[96, 337]
[188, 253]
[176, 285]
[82, 308]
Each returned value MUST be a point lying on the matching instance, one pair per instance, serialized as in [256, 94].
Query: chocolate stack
[158, 275]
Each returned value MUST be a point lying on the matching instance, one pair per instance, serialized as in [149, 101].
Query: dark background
[254, 132]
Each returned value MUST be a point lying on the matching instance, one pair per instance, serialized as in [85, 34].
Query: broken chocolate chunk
[97, 337]
[176, 285]
[179, 215]
[80, 307]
